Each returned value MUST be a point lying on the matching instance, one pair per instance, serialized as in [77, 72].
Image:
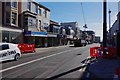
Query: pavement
[104, 69]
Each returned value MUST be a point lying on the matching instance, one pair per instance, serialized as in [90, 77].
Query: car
[24, 48]
[9, 51]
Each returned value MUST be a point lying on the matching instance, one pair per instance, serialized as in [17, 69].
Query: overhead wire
[85, 26]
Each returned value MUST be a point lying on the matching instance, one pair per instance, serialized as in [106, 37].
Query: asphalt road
[47, 63]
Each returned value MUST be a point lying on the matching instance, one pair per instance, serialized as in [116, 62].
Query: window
[7, 3]
[30, 22]
[4, 47]
[39, 11]
[40, 25]
[36, 9]
[45, 13]
[29, 6]
[26, 21]
[7, 17]
[14, 18]
[14, 4]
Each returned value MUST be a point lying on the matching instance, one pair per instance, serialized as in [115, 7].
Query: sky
[72, 11]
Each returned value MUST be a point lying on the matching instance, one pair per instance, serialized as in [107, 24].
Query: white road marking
[84, 69]
[80, 70]
[86, 62]
[34, 60]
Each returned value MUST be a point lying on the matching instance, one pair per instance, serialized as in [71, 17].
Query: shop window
[5, 36]
[14, 18]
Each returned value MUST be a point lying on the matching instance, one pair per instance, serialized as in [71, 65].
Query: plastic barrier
[94, 52]
[110, 52]
[103, 52]
[26, 47]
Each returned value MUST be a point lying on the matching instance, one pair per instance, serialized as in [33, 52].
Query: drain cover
[79, 54]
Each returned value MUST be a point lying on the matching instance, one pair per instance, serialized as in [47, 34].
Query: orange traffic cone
[116, 74]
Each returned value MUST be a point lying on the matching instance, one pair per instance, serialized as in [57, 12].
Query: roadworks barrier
[103, 52]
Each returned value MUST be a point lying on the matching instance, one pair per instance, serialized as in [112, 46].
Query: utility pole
[109, 18]
[104, 22]
[109, 26]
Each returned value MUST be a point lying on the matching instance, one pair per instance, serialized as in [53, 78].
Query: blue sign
[30, 33]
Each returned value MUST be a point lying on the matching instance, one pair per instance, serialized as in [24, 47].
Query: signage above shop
[30, 33]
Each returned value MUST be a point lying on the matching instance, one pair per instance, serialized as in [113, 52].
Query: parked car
[9, 51]
[26, 47]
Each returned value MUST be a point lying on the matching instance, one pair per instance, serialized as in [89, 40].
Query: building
[0, 21]
[112, 34]
[24, 22]
[90, 36]
[113, 30]
[53, 32]
[72, 30]
[11, 31]
[35, 20]
[97, 39]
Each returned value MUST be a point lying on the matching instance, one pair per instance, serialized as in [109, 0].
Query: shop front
[62, 38]
[10, 35]
[37, 38]
[53, 40]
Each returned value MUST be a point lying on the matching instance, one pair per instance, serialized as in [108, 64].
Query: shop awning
[52, 35]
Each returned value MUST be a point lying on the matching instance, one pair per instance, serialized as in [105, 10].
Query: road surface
[47, 63]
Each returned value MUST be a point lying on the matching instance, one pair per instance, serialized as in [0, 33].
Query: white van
[9, 51]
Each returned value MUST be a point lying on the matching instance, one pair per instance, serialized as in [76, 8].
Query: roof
[54, 23]
[41, 5]
[68, 22]
[90, 32]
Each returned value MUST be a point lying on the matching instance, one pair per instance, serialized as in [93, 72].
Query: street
[47, 63]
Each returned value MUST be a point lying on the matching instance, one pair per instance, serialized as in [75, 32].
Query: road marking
[80, 70]
[84, 69]
[85, 64]
[35, 60]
